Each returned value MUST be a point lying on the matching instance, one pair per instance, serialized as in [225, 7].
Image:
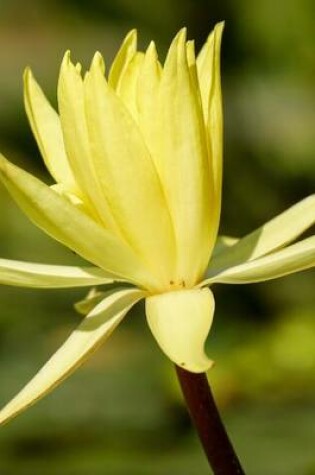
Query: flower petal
[75, 132]
[208, 67]
[182, 161]
[122, 59]
[29, 274]
[222, 244]
[93, 331]
[294, 258]
[93, 298]
[278, 232]
[128, 176]
[147, 97]
[180, 322]
[128, 84]
[67, 224]
[45, 124]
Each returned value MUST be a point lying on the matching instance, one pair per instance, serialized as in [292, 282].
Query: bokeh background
[122, 413]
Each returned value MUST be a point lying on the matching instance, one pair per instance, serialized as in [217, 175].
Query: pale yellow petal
[223, 243]
[273, 235]
[122, 59]
[147, 97]
[128, 176]
[74, 126]
[182, 162]
[291, 259]
[128, 84]
[90, 334]
[45, 124]
[208, 66]
[70, 226]
[180, 322]
[93, 298]
[30, 274]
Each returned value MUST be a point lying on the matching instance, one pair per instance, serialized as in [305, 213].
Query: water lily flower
[136, 159]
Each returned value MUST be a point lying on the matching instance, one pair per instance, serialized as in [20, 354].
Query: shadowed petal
[180, 322]
[93, 331]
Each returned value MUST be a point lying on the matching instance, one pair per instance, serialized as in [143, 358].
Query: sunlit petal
[122, 59]
[128, 176]
[128, 84]
[180, 322]
[45, 124]
[67, 224]
[75, 131]
[90, 334]
[208, 66]
[147, 97]
[273, 235]
[182, 161]
[30, 274]
[294, 258]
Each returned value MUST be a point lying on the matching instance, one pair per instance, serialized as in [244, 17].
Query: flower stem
[207, 421]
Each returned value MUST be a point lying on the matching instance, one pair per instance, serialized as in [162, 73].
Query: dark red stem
[207, 421]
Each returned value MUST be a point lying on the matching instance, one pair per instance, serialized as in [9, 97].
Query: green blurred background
[122, 413]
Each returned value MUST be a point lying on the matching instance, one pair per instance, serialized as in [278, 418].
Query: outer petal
[45, 124]
[93, 331]
[29, 274]
[182, 161]
[180, 322]
[74, 127]
[128, 176]
[122, 59]
[299, 256]
[273, 235]
[66, 223]
[208, 65]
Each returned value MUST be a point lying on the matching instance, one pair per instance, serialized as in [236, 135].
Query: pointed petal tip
[66, 60]
[3, 164]
[177, 49]
[78, 67]
[191, 53]
[133, 33]
[218, 32]
[98, 63]
[151, 50]
[131, 38]
[181, 37]
[27, 74]
[220, 26]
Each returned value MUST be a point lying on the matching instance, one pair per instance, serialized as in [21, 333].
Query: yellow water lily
[136, 157]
